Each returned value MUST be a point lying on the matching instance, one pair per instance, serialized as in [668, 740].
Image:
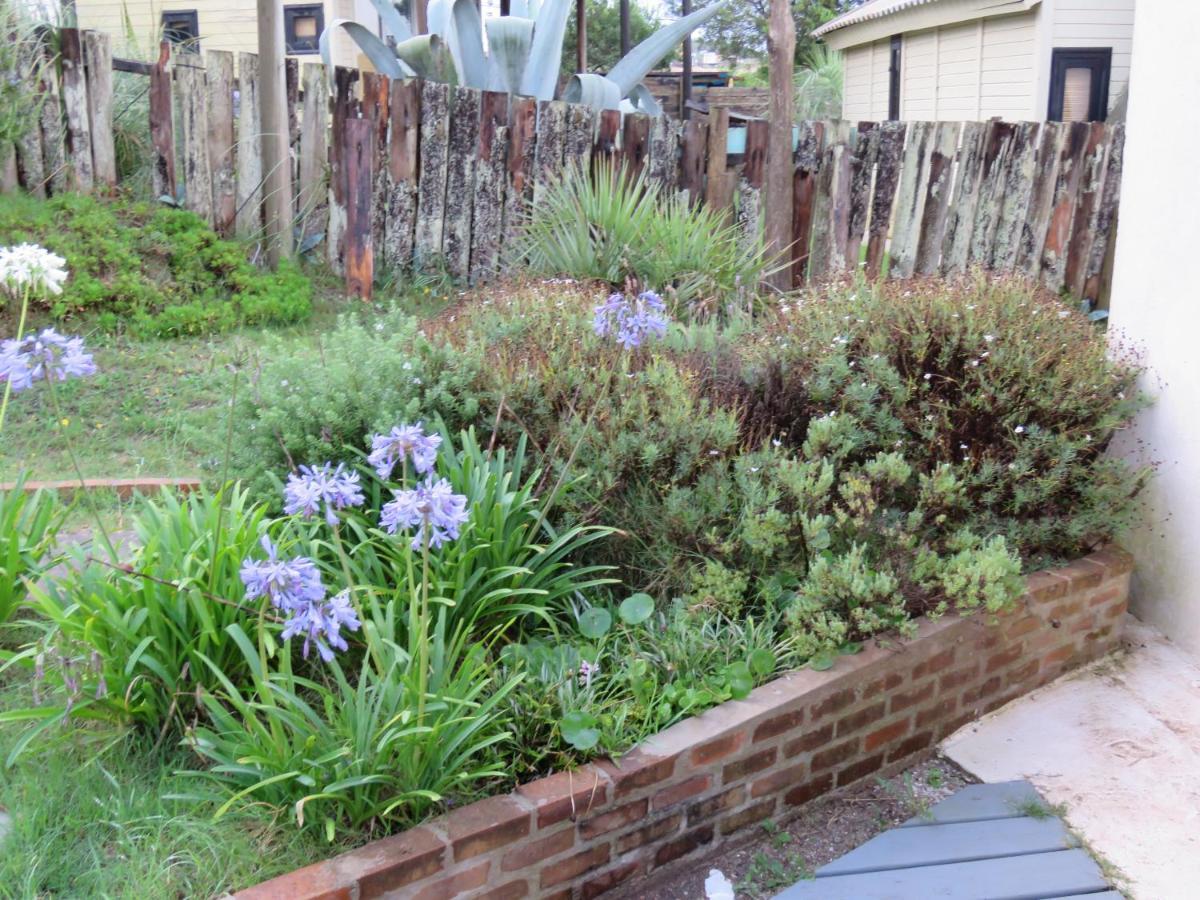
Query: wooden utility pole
[685, 93]
[580, 35]
[420, 16]
[624, 28]
[273, 127]
[781, 48]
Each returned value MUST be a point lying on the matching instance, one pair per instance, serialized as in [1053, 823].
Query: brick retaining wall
[697, 784]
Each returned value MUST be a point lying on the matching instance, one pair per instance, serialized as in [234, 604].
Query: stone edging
[697, 784]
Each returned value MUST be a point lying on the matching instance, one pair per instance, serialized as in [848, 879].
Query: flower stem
[222, 493]
[20, 333]
[87, 496]
[423, 637]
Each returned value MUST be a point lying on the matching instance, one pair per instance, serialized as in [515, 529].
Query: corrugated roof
[874, 9]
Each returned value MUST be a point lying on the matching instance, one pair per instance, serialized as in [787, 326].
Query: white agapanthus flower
[30, 266]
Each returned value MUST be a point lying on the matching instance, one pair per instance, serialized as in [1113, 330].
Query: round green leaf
[595, 622]
[741, 682]
[579, 730]
[761, 662]
[821, 662]
[636, 609]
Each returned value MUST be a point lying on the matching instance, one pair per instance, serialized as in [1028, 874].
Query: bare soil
[778, 853]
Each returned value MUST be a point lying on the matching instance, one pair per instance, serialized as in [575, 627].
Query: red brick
[1106, 594]
[1082, 574]
[957, 678]
[777, 725]
[885, 735]
[810, 790]
[564, 894]
[514, 890]
[683, 845]
[1005, 657]
[934, 664]
[711, 806]
[911, 745]
[949, 726]
[979, 692]
[860, 769]
[1117, 610]
[1114, 560]
[636, 770]
[748, 765]
[396, 861]
[677, 793]
[1060, 656]
[882, 685]
[860, 719]
[573, 866]
[1022, 673]
[485, 825]
[321, 881]
[649, 833]
[1065, 608]
[606, 881]
[450, 886]
[616, 818]
[1099, 634]
[987, 639]
[1042, 587]
[1027, 624]
[777, 780]
[764, 809]
[1084, 623]
[904, 699]
[938, 711]
[566, 795]
[809, 741]
[835, 702]
[835, 755]
[718, 749]
[535, 851]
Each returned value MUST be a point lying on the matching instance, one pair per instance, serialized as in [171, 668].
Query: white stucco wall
[1154, 304]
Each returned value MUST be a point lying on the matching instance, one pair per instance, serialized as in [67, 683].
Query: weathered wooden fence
[412, 173]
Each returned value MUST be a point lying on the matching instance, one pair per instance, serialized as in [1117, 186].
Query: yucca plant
[29, 524]
[522, 54]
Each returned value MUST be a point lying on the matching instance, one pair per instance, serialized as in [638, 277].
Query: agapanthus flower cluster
[631, 321]
[432, 508]
[30, 266]
[294, 587]
[312, 488]
[401, 443]
[45, 355]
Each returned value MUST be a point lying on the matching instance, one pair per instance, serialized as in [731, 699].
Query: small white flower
[753, 470]
[379, 326]
[974, 362]
[989, 337]
[1064, 313]
[928, 376]
[775, 442]
[714, 452]
[283, 383]
[30, 266]
[407, 366]
[1020, 429]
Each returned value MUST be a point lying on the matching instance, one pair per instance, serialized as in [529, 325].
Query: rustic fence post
[750, 182]
[1106, 215]
[862, 167]
[358, 155]
[518, 189]
[781, 49]
[939, 187]
[162, 125]
[404, 107]
[1084, 226]
[487, 217]
[807, 161]
[635, 142]
[718, 189]
[97, 55]
[883, 197]
[248, 216]
[431, 191]
[220, 139]
[312, 192]
[956, 242]
[693, 157]
[31, 169]
[344, 108]
[548, 154]
[193, 116]
[460, 180]
[376, 96]
[74, 95]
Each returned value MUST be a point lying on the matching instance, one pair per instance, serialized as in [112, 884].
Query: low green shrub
[29, 525]
[153, 271]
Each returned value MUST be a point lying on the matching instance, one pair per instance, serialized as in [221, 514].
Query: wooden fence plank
[487, 218]
[75, 103]
[460, 180]
[608, 132]
[750, 182]
[431, 185]
[162, 127]
[548, 154]
[248, 218]
[518, 188]
[862, 170]
[581, 134]
[31, 165]
[883, 196]
[345, 107]
[635, 142]
[1058, 232]
[692, 158]
[996, 153]
[718, 189]
[220, 139]
[192, 91]
[97, 57]
[1017, 190]
[939, 187]
[1041, 197]
[312, 181]
[1090, 186]
[291, 93]
[664, 153]
[376, 90]
[831, 211]
[956, 243]
[358, 156]
[404, 107]
[1106, 215]
[807, 160]
[910, 199]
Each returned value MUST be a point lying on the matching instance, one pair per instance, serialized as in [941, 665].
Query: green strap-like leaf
[379, 53]
[641, 100]
[428, 57]
[596, 91]
[397, 25]
[468, 30]
[509, 39]
[649, 53]
[545, 55]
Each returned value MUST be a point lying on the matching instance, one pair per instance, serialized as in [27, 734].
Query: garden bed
[700, 782]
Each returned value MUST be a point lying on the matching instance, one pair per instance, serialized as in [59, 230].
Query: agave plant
[522, 54]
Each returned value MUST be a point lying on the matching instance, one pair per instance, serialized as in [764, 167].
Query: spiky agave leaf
[593, 90]
[509, 39]
[429, 57]
[468, 31]
[380, 54]
[545, 54]
[636, 64]
[396, 25]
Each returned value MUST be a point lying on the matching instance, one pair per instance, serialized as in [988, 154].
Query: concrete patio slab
[1117, 743]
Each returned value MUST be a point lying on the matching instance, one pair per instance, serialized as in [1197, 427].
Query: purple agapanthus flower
[321, 624]
[312, 488]
[411, 441]
[631, 321]
[45, 355]
[432, 508]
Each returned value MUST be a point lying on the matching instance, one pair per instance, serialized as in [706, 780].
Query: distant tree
[739, 30]
[604, 34]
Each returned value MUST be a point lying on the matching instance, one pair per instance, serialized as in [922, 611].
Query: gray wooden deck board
[976, 802]
[955, 842]
[1032, 877]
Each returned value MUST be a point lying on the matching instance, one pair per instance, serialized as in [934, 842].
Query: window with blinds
[1079, 84]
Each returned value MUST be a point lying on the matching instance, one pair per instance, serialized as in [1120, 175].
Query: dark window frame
[1099, 60]
[179, 39]
[296, 46]
[895, 58]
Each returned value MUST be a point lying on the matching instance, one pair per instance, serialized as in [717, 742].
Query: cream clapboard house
[138, 25]
[975, 59]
